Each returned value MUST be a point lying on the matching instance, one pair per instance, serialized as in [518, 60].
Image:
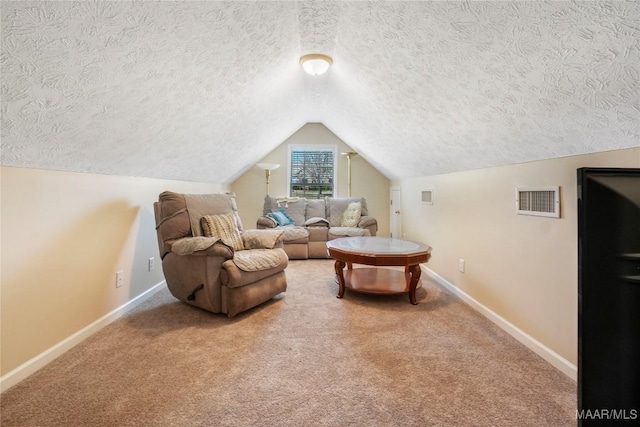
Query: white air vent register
[538, 201]
[427, 197]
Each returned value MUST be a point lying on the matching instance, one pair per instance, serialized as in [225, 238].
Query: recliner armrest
[202, 246]
[366, 221]
[266, 222]
[219, 249]
[262, 239]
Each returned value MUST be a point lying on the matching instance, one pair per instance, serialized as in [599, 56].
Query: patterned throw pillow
[281, 217]
[225, 228]
[351, 215]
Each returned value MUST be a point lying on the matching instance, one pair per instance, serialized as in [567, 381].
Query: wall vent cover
[427, 197]
[538, 201]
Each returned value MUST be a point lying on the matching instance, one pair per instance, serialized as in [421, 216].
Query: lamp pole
[349, 156]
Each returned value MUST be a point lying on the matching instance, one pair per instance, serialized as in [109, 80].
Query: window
[312, 171]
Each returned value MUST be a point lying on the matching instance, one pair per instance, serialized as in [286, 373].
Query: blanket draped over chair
[256, 259]
[190, 245]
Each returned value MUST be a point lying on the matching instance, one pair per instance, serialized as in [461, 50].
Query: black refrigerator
[608, 296]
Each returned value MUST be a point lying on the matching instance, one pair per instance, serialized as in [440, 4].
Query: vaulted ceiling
[200, 91]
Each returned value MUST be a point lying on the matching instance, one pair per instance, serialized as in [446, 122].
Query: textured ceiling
[200, 91]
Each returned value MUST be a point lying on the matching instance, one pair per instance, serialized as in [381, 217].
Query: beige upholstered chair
[209, 261]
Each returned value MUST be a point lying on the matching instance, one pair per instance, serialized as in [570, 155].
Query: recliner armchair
[209, 261]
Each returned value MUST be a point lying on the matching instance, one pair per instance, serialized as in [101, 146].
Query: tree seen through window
[312, 173]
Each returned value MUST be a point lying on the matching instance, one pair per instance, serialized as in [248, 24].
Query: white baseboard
[536, 346]
[29, 367]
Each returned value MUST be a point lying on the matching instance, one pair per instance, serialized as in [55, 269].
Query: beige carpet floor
[305, 358]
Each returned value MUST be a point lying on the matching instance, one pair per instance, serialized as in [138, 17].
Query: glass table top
[377, 245]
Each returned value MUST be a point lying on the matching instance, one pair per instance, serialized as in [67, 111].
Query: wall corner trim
[31, 366]
[559, 362]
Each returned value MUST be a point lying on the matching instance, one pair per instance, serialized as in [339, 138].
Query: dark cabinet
[608, 296]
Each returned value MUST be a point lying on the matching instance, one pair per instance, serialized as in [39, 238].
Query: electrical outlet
[119, 275]
[152, 263]
[461, 265]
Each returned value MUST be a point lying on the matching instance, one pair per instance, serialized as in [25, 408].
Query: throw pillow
[224, 227]
[285, 213]
[280, 217]
[351, 215]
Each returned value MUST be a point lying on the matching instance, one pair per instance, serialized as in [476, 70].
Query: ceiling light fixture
[316, 63]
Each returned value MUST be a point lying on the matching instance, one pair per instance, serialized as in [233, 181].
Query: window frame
[311, 148]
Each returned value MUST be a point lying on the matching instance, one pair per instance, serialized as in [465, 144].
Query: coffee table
[378, 251]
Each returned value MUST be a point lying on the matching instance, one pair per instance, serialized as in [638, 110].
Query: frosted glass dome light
[315, 63]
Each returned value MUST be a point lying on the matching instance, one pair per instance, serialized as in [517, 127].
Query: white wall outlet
[461, 265]
[119, 278]
[152, 263]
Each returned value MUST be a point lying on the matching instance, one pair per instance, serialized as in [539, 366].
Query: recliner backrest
[178, 215]
[172, 219]
[337, 205]
[294, 207]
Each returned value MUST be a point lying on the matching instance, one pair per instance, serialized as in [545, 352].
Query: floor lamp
[349, 156]
[268, 167]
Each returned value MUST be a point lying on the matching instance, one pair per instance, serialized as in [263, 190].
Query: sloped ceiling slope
[200, 91]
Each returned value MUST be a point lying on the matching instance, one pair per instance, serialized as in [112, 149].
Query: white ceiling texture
[201, 90]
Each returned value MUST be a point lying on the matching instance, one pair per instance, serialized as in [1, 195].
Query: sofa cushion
[295, 234]
[317, 234]
[225, 227]
[337, 205]
[295, 209]
[315, 209]
[351, 215]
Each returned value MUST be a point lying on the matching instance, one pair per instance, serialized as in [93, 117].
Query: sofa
[309, 223]
[210, 261]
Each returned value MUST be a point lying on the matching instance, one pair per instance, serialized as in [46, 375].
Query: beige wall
[524, 268]
[366, 181]
[64, 236]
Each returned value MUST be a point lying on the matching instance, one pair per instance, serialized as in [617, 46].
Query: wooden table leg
[415, 272]
[339, 266]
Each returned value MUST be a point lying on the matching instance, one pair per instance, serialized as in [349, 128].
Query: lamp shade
[268, 166]
[315, 63]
